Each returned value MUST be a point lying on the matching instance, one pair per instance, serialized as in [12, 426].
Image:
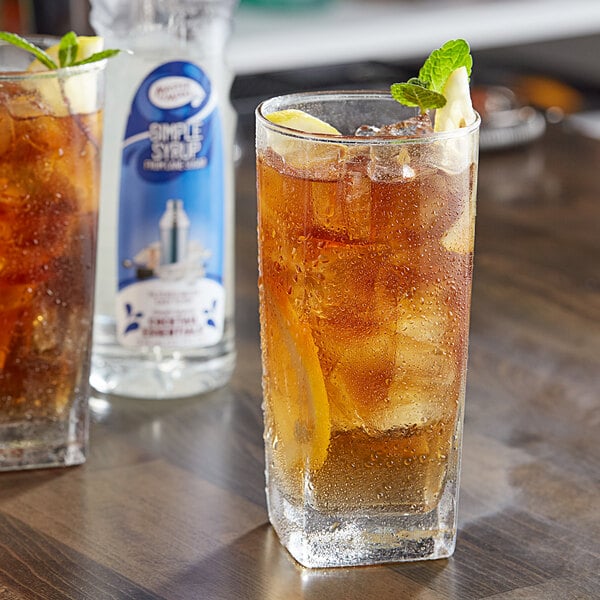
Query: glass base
[319, 540]
[175, 378]
[41, 444]
[156, 373]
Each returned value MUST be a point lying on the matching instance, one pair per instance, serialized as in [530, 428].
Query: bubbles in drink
[361, 250]
[49, 170]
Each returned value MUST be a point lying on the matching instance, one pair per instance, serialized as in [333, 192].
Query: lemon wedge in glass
[79, 93]
[295, 393]
[302, 121]
[460, 236]
[458, 111]
[304, 154]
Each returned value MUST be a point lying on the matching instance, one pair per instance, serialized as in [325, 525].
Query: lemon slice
[302, 154]
[295, 394]
[298, 119]
[458, 111]
[460, 237]
[80, 91]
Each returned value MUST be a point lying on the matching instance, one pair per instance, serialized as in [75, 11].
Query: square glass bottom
[316, 539]
[42, 443]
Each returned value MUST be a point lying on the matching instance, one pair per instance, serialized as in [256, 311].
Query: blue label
[171, 213]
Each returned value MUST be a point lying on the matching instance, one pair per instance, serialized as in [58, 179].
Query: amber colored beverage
[365, 257]
[49, 183]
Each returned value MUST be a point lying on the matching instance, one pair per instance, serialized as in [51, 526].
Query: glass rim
[303, 97]
[62, 72]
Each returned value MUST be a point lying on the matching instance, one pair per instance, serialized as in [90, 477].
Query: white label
[176, 316]
[171, 253]
[174, 92]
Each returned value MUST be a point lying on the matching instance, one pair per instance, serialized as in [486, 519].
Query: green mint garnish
[68, 48]
[414, 94]
[425, 91]
[96, 57]
[441, 62]
[19, 42]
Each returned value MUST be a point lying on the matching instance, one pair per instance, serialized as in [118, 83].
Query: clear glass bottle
[163, 325]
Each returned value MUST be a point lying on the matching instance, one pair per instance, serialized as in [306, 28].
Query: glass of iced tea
[365, 264]
[50, 135]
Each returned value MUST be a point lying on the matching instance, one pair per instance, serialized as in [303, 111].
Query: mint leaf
[19, 42]
[441, 62]
[411, 94]
[417, 81]
[67, 49]
[96, 57]
[425, 91]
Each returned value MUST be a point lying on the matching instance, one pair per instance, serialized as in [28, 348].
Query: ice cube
[12, 300]
[22, 103]
[426, 380]
[424, 326]
[395, 162]
[413, 404]
[459, 237]
[341, 210]
[390, 164]
[7, 132]
[358, 364]
[340, 281]
[304, 158]
[357, 205]
[367, 131]
[47, 327]
[13, 296]
[427, 315]
[423, 364]
[417, 126]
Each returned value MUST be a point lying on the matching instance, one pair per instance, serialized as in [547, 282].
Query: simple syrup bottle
[163, 325]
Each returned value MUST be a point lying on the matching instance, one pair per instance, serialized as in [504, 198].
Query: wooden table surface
[171, 501]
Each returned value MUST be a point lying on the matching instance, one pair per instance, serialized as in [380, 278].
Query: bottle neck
[185, 20]
[141, 24]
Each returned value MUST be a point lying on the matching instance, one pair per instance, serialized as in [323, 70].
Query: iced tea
[365, 259]
[49, 178]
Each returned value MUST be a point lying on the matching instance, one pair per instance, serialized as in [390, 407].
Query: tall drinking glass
[50, 135]
[365, 263]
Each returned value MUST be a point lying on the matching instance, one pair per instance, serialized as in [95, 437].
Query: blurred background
[536, 60]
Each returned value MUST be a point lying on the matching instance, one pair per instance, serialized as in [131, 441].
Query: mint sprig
[68, 48]
[96, 57]
[416, 94]
[425, 91]
[19, 42]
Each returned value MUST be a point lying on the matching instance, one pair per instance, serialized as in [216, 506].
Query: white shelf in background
[346, 31]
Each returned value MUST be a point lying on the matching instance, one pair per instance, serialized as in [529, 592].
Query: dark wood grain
[171, 501]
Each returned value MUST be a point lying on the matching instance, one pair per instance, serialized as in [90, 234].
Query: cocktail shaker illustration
[174, 232]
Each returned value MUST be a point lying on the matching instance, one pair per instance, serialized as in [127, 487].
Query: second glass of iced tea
[50, 136]
[365, 264]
